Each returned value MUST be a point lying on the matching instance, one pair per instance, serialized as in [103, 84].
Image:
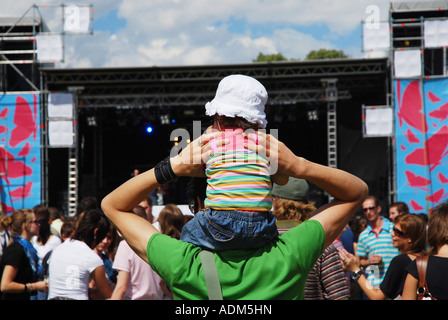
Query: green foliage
[312, 55]
[270, 57]
[326, 54]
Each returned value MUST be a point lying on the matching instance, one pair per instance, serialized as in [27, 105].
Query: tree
[270, 57]
[326, 54]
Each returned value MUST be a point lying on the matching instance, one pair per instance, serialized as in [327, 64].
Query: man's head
[295, 189]
[371, 208]
[290, 201]
[396, 209]
[147, 206]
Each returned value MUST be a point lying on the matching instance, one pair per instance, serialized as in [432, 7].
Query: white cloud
[192, 32]
[202, 56]
[293, 44]
[161, 50]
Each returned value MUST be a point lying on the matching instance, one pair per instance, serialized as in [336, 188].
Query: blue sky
[109, 22]
[203, 32]
[318, 30]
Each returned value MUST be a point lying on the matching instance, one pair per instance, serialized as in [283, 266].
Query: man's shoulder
[165, 243]
[364, 235]
[387, 224]
[364, 232]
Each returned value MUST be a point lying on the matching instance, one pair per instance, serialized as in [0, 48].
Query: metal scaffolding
[287, 82]
[20, 64]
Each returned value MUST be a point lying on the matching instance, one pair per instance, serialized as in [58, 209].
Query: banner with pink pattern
[421, 132]
[20, 151]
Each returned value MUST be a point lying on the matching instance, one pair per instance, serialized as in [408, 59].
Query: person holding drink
[409, 236]
[375, 245]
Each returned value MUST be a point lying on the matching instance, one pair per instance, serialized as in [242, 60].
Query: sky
[136, 33]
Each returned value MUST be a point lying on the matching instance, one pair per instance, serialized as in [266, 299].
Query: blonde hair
[18, 218]
[5, 221]
[293, 210]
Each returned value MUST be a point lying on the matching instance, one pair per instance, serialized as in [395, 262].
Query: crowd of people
[117, 272]
[46, 256]
[254, 234]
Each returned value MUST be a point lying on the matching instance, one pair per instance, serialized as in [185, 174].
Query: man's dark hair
[196, 187]
[88, 203]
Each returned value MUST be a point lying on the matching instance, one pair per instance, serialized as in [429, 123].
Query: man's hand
[349, 261]
[280, 157]
[375, 259]
[191, 160]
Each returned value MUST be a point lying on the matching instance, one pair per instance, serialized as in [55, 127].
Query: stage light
[165, 119]
[173, 120]
[149, 129]
[91, 121]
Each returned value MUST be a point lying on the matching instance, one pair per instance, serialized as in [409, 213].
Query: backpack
[422, 289]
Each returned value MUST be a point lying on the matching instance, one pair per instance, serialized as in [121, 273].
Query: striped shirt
[326, 280]
[370, 243]
[238, 179]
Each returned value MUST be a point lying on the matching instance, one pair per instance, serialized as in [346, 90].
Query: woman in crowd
[106, 249]
[438, 258]
[171, 220]
[409, 236]
[74, 263]
[20, 268]
[5, 235]
[45, 241]
[136, 279]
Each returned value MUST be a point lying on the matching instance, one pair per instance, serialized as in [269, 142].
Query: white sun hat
[239, 96]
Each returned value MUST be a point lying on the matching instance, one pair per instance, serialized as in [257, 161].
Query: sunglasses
[369, 208]
[399, 232]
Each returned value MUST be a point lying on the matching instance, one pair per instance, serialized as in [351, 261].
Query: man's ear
[200, 203]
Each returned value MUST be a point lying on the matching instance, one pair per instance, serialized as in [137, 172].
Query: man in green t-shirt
[275, 271]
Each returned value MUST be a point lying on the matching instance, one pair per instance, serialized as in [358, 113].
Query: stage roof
[287, 83]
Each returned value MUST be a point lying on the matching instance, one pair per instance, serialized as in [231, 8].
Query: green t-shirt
[276, 271]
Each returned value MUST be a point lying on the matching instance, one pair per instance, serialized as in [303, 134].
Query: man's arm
[121, 286]
[347, 190]
[119, 203]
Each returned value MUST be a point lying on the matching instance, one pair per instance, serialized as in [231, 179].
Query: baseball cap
[295, 189]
